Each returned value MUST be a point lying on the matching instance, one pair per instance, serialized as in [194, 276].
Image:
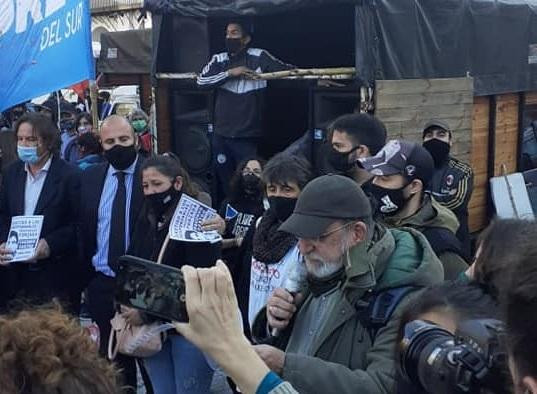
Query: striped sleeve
[214, 73]
[464, 188]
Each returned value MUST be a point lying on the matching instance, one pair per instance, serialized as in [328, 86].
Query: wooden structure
[487, 129]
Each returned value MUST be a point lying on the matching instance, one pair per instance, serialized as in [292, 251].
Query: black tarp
[489, 40]
[125, 52]
[227, 8]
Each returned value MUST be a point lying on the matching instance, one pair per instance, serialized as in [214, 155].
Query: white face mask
[84, 129]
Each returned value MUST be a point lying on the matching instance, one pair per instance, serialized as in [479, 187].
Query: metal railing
[99, 6]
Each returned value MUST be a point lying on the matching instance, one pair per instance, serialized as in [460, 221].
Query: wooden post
[94, 106]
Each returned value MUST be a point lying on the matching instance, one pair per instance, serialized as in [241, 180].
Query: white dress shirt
[104, 218]
[34, 186]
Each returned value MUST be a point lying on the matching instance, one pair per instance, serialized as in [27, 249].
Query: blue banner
[45, 45]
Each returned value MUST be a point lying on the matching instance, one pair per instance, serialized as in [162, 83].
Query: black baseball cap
[324, 201]
[400, 157]
[435, 124]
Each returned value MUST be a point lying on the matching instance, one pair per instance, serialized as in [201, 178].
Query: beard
[320, 268]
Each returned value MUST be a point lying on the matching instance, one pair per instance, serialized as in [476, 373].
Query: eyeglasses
[325, 235]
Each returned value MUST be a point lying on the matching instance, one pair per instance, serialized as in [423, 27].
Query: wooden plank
[477, 206]
[506, 133]
[406, 106]
[531, 98]
[424, 85]
[426, 113]
[413, 100]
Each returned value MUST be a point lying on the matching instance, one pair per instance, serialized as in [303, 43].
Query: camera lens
[422, 343]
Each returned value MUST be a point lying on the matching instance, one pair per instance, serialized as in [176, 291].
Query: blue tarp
[45, 45]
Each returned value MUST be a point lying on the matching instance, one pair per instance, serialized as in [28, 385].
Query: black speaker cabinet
[326, 105]
[192, 127]
[329, 103]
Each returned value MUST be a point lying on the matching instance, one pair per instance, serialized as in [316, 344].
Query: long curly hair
[43, 351]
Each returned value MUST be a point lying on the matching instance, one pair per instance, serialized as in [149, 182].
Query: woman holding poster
[179, 367]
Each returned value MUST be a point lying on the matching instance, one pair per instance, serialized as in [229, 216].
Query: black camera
[473, 360]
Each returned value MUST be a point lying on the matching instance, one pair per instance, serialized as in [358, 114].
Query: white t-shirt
[267, 277]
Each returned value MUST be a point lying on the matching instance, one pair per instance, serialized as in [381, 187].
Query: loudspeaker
[329, 103]
[326, 105]
[192, 128]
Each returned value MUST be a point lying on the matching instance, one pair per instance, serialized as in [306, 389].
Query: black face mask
[340, 160]
[250, 184]
[388, 201]
[233, 45]
[159, 202]
[121, 157]
[67, 126]
[438, 149]
[282, 207]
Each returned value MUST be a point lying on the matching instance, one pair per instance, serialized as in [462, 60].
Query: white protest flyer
[187, 219]
[23, 236]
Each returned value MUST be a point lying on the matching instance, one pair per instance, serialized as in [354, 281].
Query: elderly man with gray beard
[339, 335]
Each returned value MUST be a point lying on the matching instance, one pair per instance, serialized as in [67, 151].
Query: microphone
[295, 282]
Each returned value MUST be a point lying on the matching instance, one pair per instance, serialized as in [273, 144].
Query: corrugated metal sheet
[99, 6]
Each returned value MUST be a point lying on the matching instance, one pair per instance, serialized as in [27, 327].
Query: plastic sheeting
[218, 8]
[125, 52]
[487, 39]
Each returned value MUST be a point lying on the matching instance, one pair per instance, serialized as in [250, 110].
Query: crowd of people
[359, 279]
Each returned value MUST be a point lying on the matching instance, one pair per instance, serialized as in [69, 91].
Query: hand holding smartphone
[156, 289]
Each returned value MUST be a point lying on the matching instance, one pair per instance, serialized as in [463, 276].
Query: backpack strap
[443, 240]
[379, 308]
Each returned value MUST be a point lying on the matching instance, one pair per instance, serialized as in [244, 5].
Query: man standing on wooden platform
[239, 99]
[453, 180]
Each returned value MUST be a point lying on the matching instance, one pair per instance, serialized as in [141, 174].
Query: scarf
[320, 286]
[271, 245]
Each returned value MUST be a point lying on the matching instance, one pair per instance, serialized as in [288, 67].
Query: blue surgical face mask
[28, 154]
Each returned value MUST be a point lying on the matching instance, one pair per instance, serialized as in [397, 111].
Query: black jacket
[91, 189]
[58, 203]
[239, 102]
[149, 237]
[452, 187]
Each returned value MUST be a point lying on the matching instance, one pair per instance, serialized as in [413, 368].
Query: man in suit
[40, 183]
[111, 198]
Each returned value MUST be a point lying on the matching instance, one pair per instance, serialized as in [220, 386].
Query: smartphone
[156, 289]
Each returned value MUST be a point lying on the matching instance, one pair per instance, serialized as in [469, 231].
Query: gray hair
[137, 113]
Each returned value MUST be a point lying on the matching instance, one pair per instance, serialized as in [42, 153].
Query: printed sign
[45, 46]
[187, 219]
[23, 236]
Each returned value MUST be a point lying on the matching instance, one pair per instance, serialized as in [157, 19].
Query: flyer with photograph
[187, 219]
[23, 236]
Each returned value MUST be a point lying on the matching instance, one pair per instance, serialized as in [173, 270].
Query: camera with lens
[473, 360]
